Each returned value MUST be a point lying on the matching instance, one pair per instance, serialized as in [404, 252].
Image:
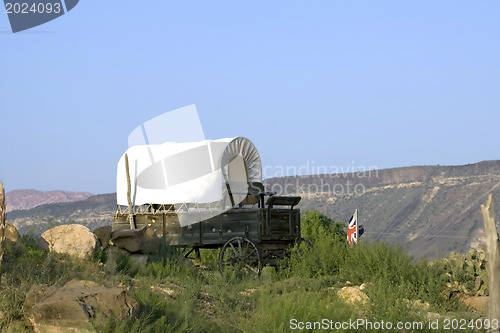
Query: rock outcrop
[142, 240]
[353, 295]
[11, 233]
[104, 235]
[70, 308]
[73, 239]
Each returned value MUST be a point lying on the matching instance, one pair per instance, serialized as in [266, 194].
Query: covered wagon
[207, 194]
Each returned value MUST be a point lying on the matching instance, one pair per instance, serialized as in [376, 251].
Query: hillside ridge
[30, 198]
[430, 210]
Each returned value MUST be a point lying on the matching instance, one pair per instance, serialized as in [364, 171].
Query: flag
[352, 229]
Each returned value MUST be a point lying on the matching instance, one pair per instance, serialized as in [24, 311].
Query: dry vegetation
[177, 296]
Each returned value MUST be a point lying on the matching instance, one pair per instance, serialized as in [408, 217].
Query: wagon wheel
[302, 241]
[241, 253]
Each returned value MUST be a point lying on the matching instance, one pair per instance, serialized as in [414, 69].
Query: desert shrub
[314, 227]
[389, 267]
[328, 239]
[279, 306]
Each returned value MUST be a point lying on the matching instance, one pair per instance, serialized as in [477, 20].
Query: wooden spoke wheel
[242, 254]
[304, 243]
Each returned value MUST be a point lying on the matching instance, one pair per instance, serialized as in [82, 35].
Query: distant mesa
[28, 199]
[429, 210]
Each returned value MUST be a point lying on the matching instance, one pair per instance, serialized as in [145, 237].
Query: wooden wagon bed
[259, 224]
[272, 231]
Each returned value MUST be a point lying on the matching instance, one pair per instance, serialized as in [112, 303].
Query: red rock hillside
[27, 199]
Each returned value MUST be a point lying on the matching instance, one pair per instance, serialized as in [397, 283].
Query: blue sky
[329, 83]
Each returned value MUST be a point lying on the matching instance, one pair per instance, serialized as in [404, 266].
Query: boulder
[11, 233]
[140, 259]
[73, 239]
[414, 306]
[142, 240]
[353, 295]
[477, 304]
[113, 253]
[104, 235]
[113, 258]
[70, 308]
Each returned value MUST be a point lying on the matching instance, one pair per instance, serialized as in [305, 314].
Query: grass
[176, 296]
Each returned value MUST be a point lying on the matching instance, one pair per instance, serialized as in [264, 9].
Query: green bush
[387, 268]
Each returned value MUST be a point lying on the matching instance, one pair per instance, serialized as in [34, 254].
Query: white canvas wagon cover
[189, 172]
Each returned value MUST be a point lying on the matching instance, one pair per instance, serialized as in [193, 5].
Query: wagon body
[282, 226]
[273, 230]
